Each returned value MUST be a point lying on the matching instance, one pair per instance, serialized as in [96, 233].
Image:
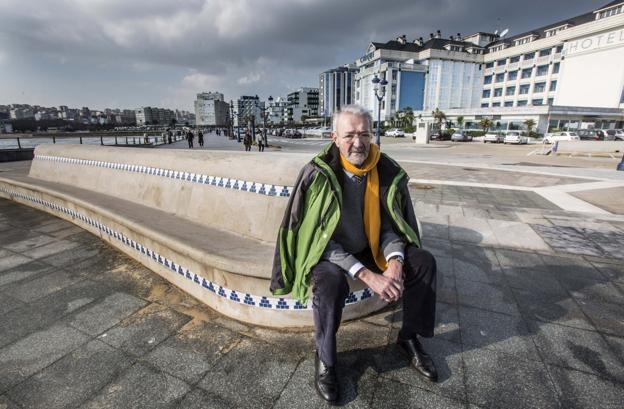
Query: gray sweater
[349, 238]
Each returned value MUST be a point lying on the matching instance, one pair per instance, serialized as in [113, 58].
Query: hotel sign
[368, 57]
[593, 43]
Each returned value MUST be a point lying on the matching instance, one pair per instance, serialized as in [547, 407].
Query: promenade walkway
[530, 307]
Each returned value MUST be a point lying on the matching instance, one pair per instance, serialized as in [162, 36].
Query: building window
[514, 59]
[556, 68]
[512, 75]
[539, 87]
[559, 49]
[542, 70]
[553, 86]
[486, 93]
[498, 92]
[524, 89]
[538, 101]
[551, 101]
[489, 65]
[500, 77]
[545, 52]
[487, 79]
[529, 56]
[609, 12]
[526, 73]
[510, 91]
[495, 104]
[501, 62]
[485, 105]
[522, 103]
[508, 103]
[394, 75]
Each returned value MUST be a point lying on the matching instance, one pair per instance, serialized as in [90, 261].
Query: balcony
[543, 60]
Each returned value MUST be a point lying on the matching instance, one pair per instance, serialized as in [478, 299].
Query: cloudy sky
[129, 53]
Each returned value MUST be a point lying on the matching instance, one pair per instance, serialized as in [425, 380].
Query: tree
[529, 123]
[460, 122]
[485, 123]
[396, 119]
[439, 117]
[408, 119]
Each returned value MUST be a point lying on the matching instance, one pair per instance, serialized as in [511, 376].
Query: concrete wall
[111, 203]
[614, 147]
[202, 203]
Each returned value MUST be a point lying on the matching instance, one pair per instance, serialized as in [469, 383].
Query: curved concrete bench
[205, 221]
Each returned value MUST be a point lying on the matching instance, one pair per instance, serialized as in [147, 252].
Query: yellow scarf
[372, 210]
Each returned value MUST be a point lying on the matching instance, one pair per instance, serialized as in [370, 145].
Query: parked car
[461, 137]
[591, 135]
[609, 134]
[561, 136]
[395, 132]
[619, 134]
[494, 137]
[515, 137]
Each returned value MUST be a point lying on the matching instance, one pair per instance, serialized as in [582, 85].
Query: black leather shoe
[325, 380]
[419, 359]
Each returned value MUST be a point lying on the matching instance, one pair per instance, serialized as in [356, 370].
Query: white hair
[353, 110]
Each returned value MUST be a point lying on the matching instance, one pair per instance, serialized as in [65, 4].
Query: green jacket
[313, 213]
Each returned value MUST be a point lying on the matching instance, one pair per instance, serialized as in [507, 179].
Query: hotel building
[566, 74]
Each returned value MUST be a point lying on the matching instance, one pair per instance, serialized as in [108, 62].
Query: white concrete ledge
[228, 270]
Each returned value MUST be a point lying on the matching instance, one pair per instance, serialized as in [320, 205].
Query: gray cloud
[161, 52]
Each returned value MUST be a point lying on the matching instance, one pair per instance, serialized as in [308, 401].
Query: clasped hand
[389, 285]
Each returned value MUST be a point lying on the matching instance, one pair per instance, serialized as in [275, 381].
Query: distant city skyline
[115, 54]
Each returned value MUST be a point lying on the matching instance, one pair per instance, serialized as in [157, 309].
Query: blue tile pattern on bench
[265, 189]
[257, 301]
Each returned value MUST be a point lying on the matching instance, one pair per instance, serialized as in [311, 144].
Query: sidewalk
[530, 307]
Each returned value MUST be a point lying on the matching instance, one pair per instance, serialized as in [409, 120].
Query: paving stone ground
[519, 325]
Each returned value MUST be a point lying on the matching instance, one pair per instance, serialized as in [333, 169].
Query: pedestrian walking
[260, 140]
[170, 135]
[200, 138]
[189, 138]
[247, 141]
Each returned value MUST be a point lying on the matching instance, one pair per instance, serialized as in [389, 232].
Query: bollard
[54, 139]
[81, 139]
[115, 140]
[621, 165]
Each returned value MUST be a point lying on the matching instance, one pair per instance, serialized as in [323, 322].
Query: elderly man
[350, 217]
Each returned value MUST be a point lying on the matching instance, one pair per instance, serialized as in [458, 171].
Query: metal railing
[28, 141]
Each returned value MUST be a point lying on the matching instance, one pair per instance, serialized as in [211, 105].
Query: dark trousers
[331, 288]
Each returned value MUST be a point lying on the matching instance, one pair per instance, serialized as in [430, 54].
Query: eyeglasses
[361, 135]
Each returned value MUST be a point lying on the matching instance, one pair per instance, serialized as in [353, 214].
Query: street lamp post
[238, 116]
[264, 116]
[379, 88]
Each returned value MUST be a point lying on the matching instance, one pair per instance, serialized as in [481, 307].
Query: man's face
[353, 136]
